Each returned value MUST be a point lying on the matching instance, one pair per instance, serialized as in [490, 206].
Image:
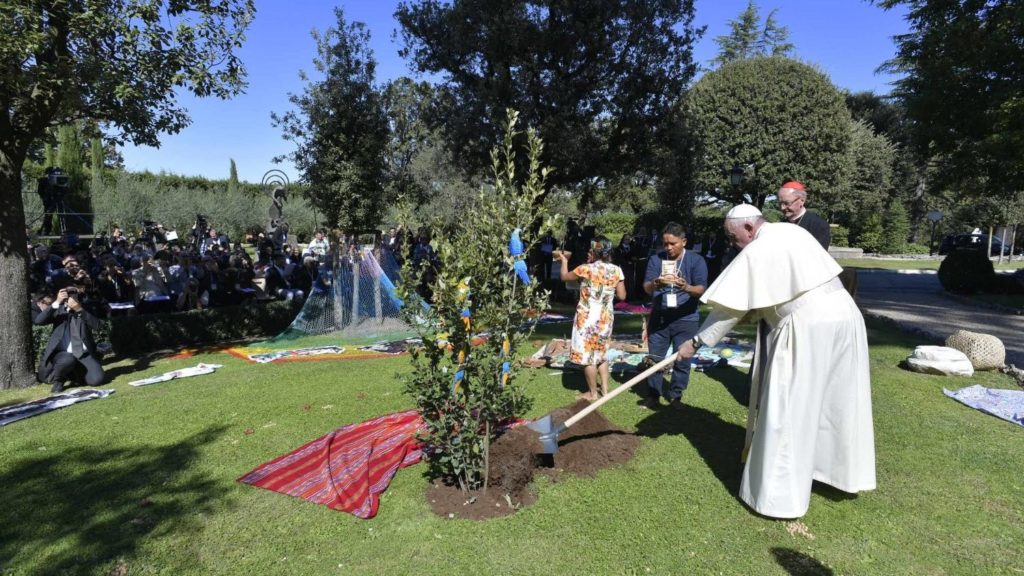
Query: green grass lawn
[144, 483]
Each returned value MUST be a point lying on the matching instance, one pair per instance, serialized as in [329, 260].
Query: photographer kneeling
[71, 343]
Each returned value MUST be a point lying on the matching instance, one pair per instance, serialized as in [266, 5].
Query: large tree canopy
[597, 78]
[340, 129]
[776, 117]
[407, 105]
[116, 62]
[964, 88]
[869, 181]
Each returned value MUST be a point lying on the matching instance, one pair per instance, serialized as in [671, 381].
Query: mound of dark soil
[590, 445]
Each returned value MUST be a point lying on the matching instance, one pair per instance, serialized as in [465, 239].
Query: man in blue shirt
[675, 279]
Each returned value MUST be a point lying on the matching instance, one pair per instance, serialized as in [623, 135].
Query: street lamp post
[934, 216]
[736, 175]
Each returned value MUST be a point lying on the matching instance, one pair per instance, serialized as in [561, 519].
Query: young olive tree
[463, 377]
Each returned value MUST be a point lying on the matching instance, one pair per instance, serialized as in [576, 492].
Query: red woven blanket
[347, 469]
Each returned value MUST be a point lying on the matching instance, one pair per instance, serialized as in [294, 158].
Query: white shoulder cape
[782, 262]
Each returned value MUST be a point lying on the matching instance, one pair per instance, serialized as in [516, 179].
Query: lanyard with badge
[671, 301]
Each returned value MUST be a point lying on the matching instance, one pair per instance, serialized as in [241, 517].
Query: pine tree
[896, 228]
[742, 41]
[71, 159]
[233, 179]
[96, 156]
[747, 39]
[774, 38]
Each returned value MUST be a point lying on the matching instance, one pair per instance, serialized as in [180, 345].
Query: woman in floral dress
[600, 283]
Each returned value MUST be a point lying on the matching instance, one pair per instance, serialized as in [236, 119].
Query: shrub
[912, 248]
[174, 201]
[1008, 284]
[135, 335]
[966, 272]
[149, 332]
[840, 236]
[870, 235]
[614, 223]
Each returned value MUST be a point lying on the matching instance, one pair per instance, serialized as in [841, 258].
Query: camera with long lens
[151, 233]
[57, 179]
[200, 229]
[149, 229]
[72, 292]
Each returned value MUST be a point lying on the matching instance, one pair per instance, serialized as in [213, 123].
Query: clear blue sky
[847, 39]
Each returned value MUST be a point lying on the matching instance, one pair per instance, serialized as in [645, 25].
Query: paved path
[915, 300]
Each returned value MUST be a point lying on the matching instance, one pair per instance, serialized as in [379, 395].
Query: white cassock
[811, 394]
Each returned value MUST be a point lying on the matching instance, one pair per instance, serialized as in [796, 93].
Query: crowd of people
[117, 274]
[74, 283]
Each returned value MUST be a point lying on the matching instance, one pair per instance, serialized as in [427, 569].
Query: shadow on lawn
[9, 403]
[800, 564]
[718, 442]
[883, 333]
[130, 367]
[831, 493]
[575, 380]
[73, 510]
[735, 382]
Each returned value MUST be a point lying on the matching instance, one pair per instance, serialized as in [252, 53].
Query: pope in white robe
[810, 402]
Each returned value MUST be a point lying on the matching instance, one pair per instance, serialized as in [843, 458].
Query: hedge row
[133, 335]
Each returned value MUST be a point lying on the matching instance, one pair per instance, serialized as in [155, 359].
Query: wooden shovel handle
[633, 382]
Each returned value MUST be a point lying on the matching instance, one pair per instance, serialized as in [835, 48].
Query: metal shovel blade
[548, 437]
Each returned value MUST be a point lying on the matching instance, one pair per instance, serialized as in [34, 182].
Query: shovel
[549, 436]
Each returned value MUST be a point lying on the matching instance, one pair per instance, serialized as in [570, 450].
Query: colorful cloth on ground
[549, 318]
[632, 309]
[1005, 404]
[347, 469]
[197, 370]
[627, 352]
[35, 407]
[594, 319]
[728, 351]
[266, 357]
[392, 348]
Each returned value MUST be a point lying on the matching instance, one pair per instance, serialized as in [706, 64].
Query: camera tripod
[58, 208]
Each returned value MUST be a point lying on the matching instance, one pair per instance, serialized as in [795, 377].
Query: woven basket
[985, 351]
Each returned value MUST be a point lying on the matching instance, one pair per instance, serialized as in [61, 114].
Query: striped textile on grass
[347, 469]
